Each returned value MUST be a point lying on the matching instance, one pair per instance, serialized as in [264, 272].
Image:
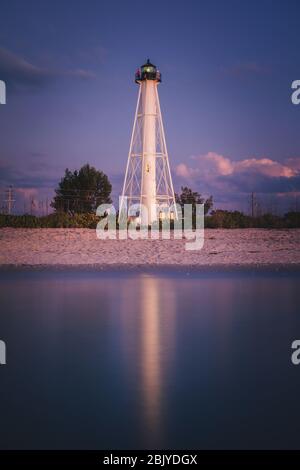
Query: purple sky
[227, 70]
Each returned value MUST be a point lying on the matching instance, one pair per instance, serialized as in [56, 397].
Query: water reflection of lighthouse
[149, 342]
[151, 366]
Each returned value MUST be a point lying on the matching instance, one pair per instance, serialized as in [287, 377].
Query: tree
[82, 191]
[292, 219]
[188, 196]
[227, 219]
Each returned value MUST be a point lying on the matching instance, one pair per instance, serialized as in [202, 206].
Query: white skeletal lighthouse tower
[148, 188]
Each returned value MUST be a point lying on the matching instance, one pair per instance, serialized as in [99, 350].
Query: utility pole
[252, 204]
[32, 205]
[9, 199]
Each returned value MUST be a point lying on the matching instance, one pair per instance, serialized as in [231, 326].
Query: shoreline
[224, 250]
[279, 269]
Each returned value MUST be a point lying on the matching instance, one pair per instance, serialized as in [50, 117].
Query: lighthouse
[148, 188]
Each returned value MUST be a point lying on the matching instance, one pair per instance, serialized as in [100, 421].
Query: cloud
[222, 164]
[244, 69]
[294, 163]
[95, 54]
[33, 179]
[34, 172]
[27, 193]
[264, 166]
[184, 171]
[231, 181]
[80, 73]
[215, 165]
[20, 74]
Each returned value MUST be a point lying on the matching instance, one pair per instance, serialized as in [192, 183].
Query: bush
[227, 219]
[217, 219]
[57, 220]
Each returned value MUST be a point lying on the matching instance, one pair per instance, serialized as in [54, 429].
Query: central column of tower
[148, 189]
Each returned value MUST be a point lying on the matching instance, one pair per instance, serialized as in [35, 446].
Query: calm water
[149, 360]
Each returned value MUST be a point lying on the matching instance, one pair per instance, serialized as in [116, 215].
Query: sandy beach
[80, 247]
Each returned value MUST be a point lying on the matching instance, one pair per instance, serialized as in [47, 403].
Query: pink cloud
[294, 163]
[182, 170]
[265, 166]
[223, 165]
[213, 165]
[27, 192]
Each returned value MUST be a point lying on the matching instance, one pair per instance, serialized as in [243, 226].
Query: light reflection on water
[149, 360]
[148, 324]
[151, 366]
